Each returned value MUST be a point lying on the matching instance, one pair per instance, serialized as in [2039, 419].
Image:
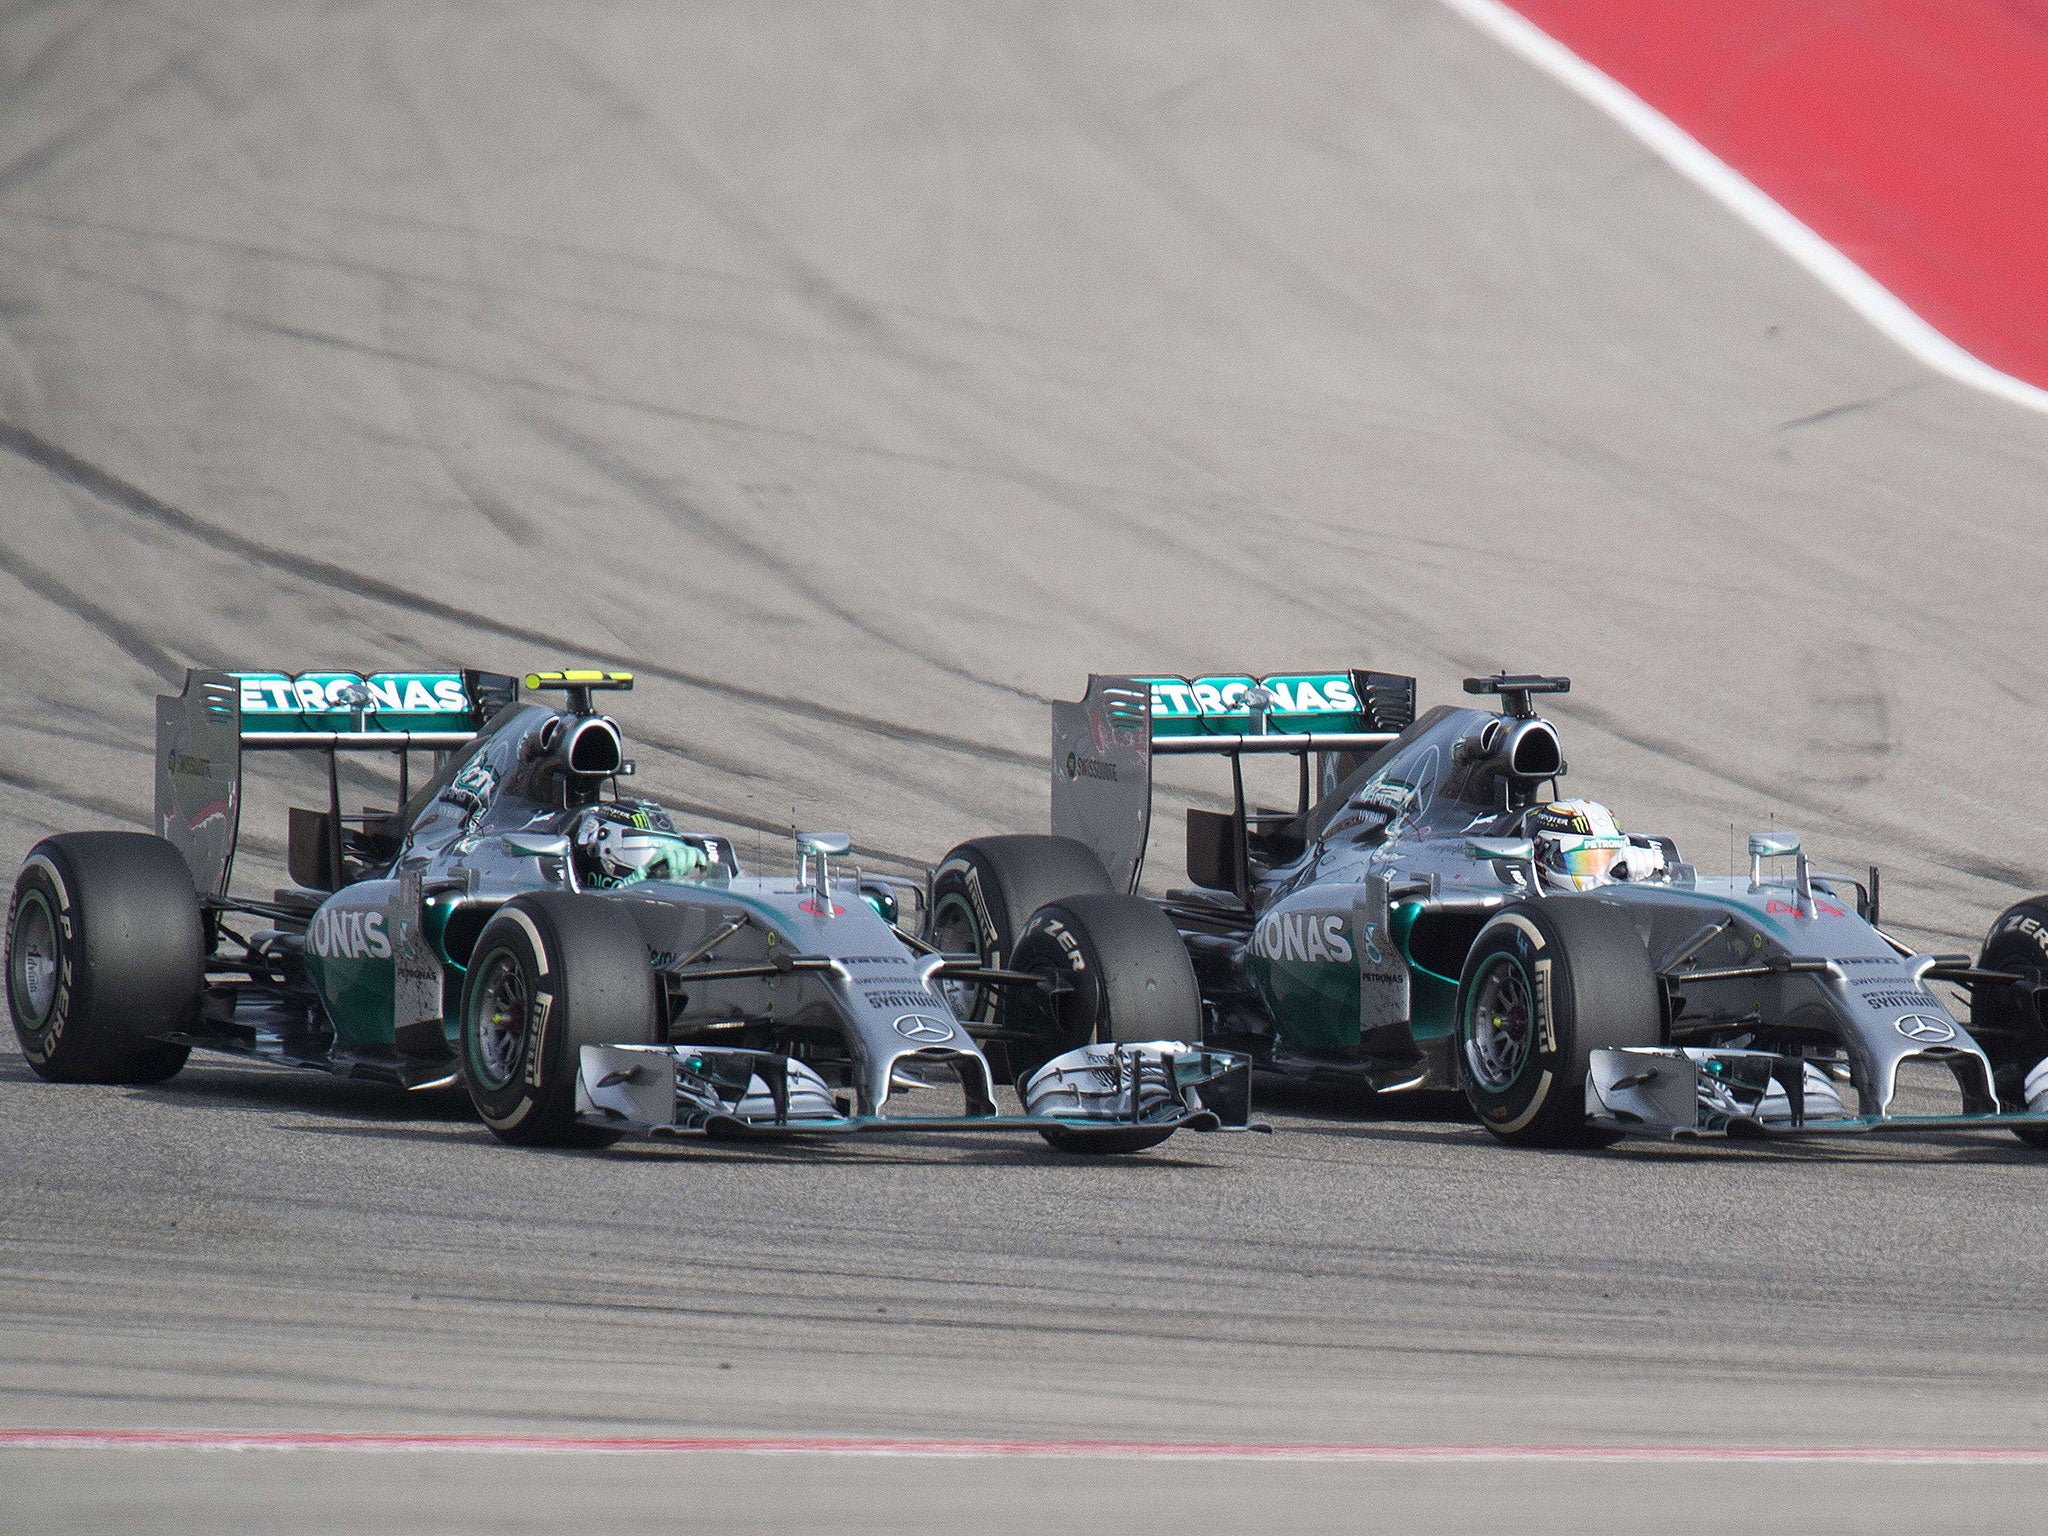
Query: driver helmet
[626, 842]
[1578, 843]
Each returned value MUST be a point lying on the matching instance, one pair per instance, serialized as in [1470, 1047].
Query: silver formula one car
[1436, 916]
[585, 967]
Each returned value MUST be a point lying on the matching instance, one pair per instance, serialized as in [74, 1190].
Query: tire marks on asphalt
[125, 637]
[112, 489]
[125, 812]
[686, 516]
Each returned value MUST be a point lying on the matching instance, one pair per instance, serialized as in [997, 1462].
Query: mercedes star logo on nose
[1924, 1028]
[918, 1026]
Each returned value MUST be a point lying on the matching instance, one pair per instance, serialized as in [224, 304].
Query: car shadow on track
[242, 1087]
[295, 1090]
[870, 1151]
[1355, 1105]
[1312, 1109]
[1442, 1118]
[936, 1155]
[1989, 1146]
[459, 1127]
[444, 1116]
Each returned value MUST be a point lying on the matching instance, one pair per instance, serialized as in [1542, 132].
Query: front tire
[105, 949]
[1104, 1143]
[552, 972]
[1119, 970]
[1119, 974]
[2007, 1020]
[1545, 985]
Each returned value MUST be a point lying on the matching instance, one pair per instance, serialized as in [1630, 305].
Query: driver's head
[622, 844]
[1577, 842]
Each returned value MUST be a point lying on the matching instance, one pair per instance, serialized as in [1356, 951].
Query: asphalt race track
[864, 376]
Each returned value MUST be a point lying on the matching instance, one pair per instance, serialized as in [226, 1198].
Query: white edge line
[1742, 197]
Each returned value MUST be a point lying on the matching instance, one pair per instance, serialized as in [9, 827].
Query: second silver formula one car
[1437, 916]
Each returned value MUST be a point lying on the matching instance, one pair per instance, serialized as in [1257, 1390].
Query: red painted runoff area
[1912, 135]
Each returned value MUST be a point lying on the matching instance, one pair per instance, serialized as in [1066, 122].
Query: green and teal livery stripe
[328, 701]
[1214, 706]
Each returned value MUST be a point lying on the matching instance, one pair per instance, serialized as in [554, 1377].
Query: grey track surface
[864, 375]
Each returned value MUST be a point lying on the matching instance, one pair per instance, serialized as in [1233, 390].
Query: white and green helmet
[624, 843]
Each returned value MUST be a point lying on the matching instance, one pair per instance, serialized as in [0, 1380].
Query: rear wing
[203, 730]
[1102, 747]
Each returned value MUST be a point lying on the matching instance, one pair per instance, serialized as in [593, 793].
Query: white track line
[1089, 1450]
[1693, 160]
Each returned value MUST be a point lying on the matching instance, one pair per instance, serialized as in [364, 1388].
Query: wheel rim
[34, 963]
[504, 1002]
[955, 932]
[1499, 1024]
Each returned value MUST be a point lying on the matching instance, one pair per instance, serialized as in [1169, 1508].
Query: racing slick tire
[985, 892]
[1545, 985]
[2006, 1020]
[982, 898]
[106, 948]
[1120, 975]
[551, 972]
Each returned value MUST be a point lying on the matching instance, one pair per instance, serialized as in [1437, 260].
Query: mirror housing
[1773, 845]
[1781, 845]
[535, 845]
[1515, 850]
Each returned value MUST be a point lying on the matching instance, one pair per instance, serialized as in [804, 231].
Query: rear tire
[986, 891]
[1545, 985]
[105, 949]
[2009, 1016]
[551, 972]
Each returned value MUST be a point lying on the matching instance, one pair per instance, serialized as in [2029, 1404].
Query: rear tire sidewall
[40, 971]
[1589, 985]
[122, 937]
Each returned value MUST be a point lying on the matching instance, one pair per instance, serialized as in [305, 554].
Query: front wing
[1689, 1093]
[1106, 1094]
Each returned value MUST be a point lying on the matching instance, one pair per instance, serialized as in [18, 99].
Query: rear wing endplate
[203, 730]
[1102, 747]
